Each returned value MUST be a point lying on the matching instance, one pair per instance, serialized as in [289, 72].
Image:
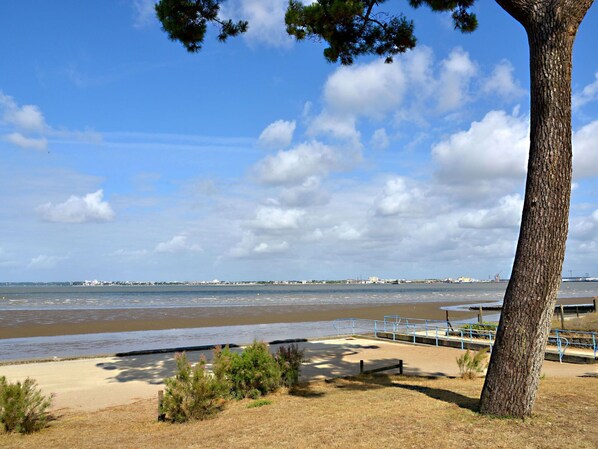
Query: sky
[123, 157]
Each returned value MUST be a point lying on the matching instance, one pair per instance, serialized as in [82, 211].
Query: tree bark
[518, 354]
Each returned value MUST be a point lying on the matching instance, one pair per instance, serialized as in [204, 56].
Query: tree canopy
[350, 28]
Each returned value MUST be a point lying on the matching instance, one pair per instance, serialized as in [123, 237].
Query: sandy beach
[96, 383]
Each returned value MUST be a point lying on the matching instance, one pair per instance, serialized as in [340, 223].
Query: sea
[54, 297]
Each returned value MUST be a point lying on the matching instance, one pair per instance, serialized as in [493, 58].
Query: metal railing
[393, 326]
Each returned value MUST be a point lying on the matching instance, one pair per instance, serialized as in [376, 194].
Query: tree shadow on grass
[376, 381]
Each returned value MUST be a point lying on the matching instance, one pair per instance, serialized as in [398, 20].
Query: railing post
[594, 343]
[375, 328]
[461, 332]
[436, 335]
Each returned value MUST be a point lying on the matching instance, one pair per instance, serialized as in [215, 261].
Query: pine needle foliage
[192, 393]
[473, 363]
[23, 408]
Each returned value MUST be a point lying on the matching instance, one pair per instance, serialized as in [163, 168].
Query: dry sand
[92, 384]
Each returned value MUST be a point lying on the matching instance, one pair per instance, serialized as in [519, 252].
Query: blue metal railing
[461, 331]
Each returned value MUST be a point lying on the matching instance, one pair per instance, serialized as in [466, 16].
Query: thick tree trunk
[517, 357]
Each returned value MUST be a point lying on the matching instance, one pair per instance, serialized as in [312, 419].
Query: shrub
[470, 364]
[250, 374]
[289, 360]
[192, 393]
[23, 408]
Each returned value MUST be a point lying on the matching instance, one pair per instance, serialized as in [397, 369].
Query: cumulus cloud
[277, 135]
[457, 70]
[178, 244]
[87, 209]
[507, 214]
[495, 147]
[276, 219]
[294, 166]
[585, 155]
[588, 94]
[27, 117]
[340, 126]
[399, 199]
[266, 21]
[269, 248]
[370, 89]
[501, 81]
[309, 193]
[22, 141]
[44, 262]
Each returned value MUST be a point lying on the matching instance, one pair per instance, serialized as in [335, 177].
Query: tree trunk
[517, 357]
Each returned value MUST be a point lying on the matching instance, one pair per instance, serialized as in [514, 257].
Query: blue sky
[126, 158]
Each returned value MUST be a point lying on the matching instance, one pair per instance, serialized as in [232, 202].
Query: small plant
[23, 408]
[289, 360]
[192, 393]
[471, 364]
[252, 373]
[259, 403]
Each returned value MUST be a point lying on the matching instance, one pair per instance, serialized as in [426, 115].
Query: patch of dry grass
[375, 411]
[586, 323]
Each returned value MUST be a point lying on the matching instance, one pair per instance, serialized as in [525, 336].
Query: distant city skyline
[125, 157]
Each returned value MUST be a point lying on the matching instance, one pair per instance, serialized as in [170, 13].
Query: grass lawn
[373, 412]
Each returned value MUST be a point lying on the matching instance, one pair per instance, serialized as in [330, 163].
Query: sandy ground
[93, 384]
[36, 323]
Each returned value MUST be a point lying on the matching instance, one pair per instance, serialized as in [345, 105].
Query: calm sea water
[122, 297]
[42, 298]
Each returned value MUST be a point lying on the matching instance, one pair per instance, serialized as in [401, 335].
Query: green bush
[23, 408]
[470, 364]
[192, 393]
[289, 360]
[250, 374]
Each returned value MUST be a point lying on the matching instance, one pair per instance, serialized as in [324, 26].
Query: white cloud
[178, 244]
[276, 219]
[345, 231]
[277, 135]
[44, 262]
[22, 141]
[266, 21]
[308, 193]
[27, 117]
[269, 248]
[501, 82]
[507, 214]
[370, 89]
[585, 154]
[495, 147]
[588, 94]
[86, 209]
[144, 12]
[456, 73]
[399, 199]
[294, 166]
[380, 139]
[339, 126]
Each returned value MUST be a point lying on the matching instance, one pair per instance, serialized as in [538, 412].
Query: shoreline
[48, 323]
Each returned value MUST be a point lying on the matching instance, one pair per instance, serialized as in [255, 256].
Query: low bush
[471, 364]
[23, 408]
[289, 360]
[192, 393]
[252, 373]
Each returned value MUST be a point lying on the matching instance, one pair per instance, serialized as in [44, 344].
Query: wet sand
[17, 324]
[36, 323]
